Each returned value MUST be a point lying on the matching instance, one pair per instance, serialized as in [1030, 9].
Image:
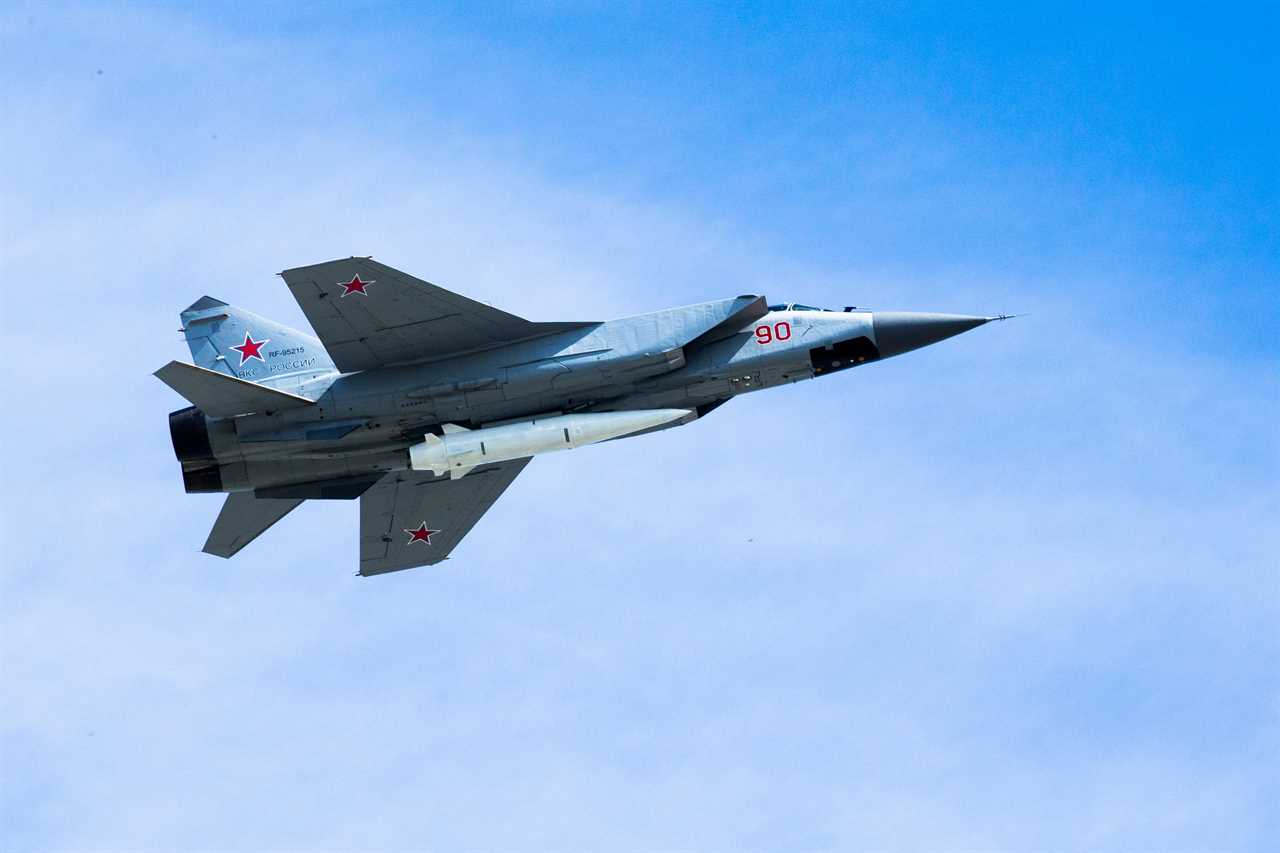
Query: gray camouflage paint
[467, 364]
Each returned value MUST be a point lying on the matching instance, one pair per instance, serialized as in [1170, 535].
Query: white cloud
[1015, 588]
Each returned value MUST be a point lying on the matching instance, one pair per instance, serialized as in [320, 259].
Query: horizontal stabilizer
[243, 519]
[224, 396]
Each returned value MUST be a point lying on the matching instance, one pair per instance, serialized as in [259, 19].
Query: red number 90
[779, 332]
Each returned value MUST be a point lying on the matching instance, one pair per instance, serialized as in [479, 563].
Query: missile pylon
[459, 449]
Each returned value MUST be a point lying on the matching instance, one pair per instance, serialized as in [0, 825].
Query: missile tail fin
[429, 455]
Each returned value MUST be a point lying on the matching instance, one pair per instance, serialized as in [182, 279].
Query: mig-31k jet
[425, 405]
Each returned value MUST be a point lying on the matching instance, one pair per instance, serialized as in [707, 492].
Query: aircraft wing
[411, 518]
[369, 315]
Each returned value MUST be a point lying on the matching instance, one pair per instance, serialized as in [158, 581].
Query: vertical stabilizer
[239, 343]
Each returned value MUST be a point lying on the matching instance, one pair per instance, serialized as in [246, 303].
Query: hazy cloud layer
[1014, 592]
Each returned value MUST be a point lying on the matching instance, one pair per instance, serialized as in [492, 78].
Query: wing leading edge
[412, 518]
[370, 315]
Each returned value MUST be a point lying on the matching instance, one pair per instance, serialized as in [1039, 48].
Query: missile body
[460, 449]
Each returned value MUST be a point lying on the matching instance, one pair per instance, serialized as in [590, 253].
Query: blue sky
[1016, 591]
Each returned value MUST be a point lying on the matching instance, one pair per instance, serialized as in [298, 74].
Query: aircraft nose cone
[902, 331]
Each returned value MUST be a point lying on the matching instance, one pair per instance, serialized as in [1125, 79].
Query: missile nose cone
[902, 331]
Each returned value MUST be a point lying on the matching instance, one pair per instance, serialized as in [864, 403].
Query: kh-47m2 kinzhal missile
[425, 405]
[461, 449]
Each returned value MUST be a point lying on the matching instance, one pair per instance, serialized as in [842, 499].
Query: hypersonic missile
[461, 449]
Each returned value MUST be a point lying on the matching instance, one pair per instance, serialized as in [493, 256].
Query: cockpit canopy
[795, 306]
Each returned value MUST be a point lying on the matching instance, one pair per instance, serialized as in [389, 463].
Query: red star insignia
[355, 286]
[422, 534]
[250, 349]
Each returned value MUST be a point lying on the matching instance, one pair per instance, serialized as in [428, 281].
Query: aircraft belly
[525, 379]
[786, 373]
[485, 397]
[709, 388]
[378, 420]
[272, 473]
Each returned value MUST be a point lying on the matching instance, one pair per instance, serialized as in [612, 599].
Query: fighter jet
[425, 405]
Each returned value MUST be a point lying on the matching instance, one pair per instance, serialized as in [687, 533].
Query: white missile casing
[460, 449]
